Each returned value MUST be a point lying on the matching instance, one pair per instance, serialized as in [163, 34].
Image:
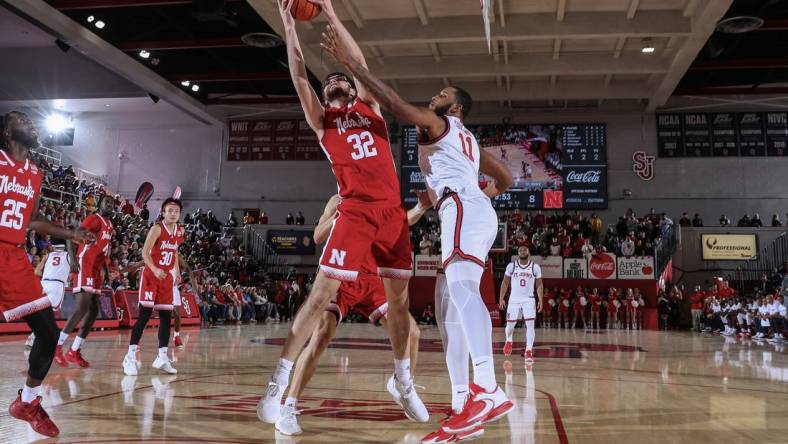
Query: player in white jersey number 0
[523, 276]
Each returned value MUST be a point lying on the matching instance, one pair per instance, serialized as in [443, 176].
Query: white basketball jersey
[57, 267]
[523, 280]
[451, 161]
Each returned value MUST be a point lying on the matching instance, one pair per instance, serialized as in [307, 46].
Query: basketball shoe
[59, 358]
[33, 413]
[163, 363]
[30, 340]
[287, 424]
[75, 357]
[481, 407]
[442, 436]
[507, 349]
[130, 365]
[270, 405]
[405, 396]
[529, 356]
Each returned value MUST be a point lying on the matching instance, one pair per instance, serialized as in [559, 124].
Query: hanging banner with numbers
[272, 140]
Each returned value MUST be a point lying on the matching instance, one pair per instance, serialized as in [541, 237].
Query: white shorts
[521, 310]
[176, 296]
[468, 228]
[54, 291]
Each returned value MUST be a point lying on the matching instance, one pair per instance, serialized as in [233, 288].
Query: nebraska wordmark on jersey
[523, 280]
[451, 161]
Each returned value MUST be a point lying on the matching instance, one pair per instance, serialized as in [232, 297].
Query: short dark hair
[463, 98]
[171, 200]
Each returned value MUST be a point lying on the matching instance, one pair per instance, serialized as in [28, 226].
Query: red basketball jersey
[356, 142]
[165, 249]
[103, 230]
[20, 186]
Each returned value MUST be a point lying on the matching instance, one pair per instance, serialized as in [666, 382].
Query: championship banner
[291, 242]
[426, 265]
[552, 266]
[602, 266]
[575, 268]
[729, 247]
[636, 267]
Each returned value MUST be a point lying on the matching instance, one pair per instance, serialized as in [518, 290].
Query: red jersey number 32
[362, 145]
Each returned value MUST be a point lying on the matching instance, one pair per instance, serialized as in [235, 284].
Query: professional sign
[552, 266]
[427, 265]
[729, 247]
[294, 242]
[602, 266]
[636, 267]
[575, 268]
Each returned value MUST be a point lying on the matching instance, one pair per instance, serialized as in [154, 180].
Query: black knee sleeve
[139, 326]
[165, 316]
[44, 326]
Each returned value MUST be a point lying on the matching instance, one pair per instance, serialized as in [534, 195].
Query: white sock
[282, 372]
[402, 370]
[29, 394]
[163, 353]
[77, 343]
[464, 278]
[530, 334]
[291, 402]
[510, 330]
[62, 339]
[177, 333]
[133, 350]
[458, 395]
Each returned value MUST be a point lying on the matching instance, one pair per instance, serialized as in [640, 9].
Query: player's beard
[524, 258]
[441, 110]
[25, 138]
[337, 93]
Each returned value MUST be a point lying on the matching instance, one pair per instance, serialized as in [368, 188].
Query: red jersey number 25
[11, 216]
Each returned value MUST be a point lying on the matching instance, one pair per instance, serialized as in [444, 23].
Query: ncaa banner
[426, 265]
[575, 268]
[636, 267]
[602, 266]
[552, 266]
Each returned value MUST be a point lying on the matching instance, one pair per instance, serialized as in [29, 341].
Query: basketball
[304, 10]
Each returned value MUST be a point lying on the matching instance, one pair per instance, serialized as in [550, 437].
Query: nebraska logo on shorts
[148, 295]
[337, 257]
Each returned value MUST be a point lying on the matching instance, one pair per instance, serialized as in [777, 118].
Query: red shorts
[21, 293]
[366, 295]
[359, 233]
[156, 293]
[89, 278]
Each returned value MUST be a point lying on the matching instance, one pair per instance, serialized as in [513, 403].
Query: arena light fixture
[648, 50]
[57, 123]
[186, 83]
[91, 19]
[144, 54]
[195, 87]
[59, 103]
[100, 24]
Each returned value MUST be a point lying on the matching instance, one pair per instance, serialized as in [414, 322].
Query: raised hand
[337, 47]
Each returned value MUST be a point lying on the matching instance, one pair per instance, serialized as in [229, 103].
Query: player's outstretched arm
[313, 109]
[415, 213]
[492, 167]
[388, 99]
[42, 225]
[355, 50]
[323, 228]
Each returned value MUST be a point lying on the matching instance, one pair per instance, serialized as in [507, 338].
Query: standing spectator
[724, 221]
[685, 220]
[744, 221]
[776, 220]
[127, 209]
[628, 246]
[263, 218]
[299, 220]
[596, 227]
[663, 308]
[425, 246]
[289, 219]
[555, 248]
[697, 221]
[756, 221]
[232, 221]
[249, 219]
[144, 213]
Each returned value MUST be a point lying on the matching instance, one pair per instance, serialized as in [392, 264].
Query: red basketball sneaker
[33, 413]
[507, 349]
[529, 356]
[481, 407]
[178, 342]
[75, 357]
[59, 358]
[442, 436]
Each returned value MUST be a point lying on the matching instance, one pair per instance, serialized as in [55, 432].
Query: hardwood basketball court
[652, 387]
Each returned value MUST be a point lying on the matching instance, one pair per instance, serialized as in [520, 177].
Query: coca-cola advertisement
[585, 187]
[602, 266]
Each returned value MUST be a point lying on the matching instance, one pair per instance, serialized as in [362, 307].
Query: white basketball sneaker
[130, 366]
[162, 363]
[287, 423]
[30, 339]
[405, 396]
[270, 405]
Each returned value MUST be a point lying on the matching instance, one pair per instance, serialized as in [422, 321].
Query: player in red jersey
[21, 293]
[367, 296]
[93, 259]
[160, 254]
[371, 219]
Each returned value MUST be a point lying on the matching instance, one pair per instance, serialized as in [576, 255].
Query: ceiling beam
[502, 14]
[70, 5]
[619, 47]
[229, 76]
[578, 25]
[556, 49]
[436, 52]
[505, 52]
[689, 8]
[633, 8]
[561, 10]
[169, 45]
[353, 13]
[534, 65]
[421, 11]
[375, 52]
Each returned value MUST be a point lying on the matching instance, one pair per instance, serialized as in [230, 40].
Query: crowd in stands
[724, 221]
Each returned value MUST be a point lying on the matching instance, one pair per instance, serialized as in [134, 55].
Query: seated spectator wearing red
[127, 208]
[263, 219]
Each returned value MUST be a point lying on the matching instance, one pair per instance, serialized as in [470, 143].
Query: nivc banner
[426, 265]
[602, 266]
[575, 268]
[636, 267]
[552, 266]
